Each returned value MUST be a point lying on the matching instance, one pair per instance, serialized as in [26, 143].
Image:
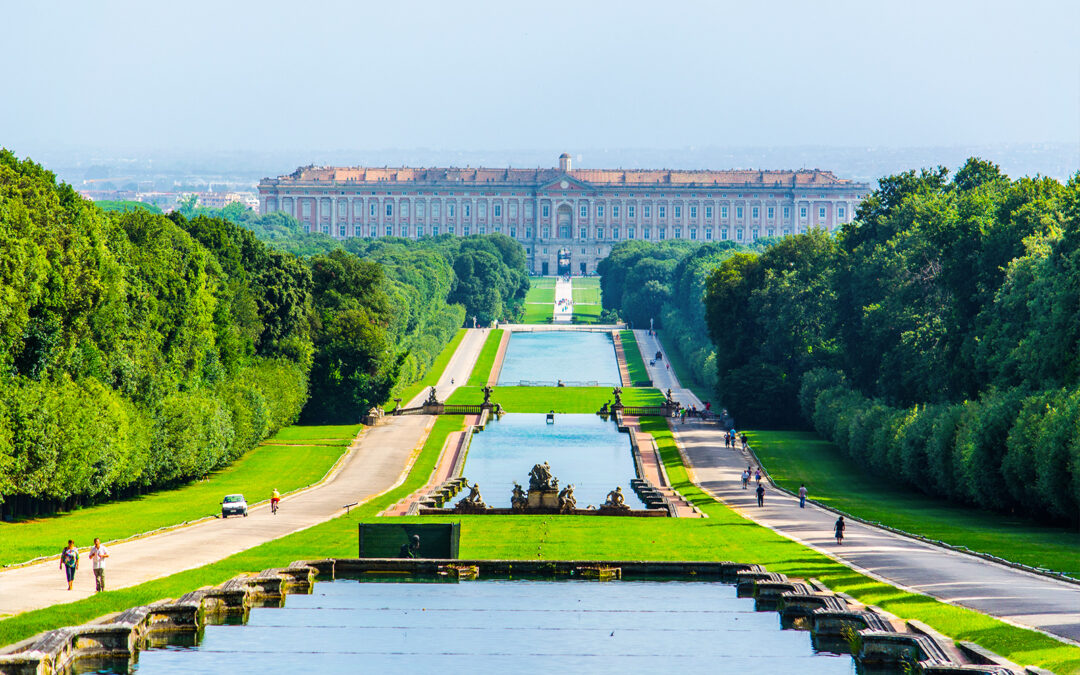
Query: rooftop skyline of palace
[567, 219]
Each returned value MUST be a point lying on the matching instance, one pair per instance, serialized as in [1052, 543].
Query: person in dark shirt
[412, 548]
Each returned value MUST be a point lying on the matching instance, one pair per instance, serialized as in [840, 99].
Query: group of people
[838, 527]
[69, 563]
[732, 439]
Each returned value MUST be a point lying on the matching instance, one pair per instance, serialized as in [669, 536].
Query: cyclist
[275, 497]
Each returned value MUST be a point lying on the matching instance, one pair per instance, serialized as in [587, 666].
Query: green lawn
[435, 371]
[587, 313]
[560, 399]
[634, 363]
[586, 290]
[539, 313]
[683, 371]
[541, 295]
[256, 474]
[326, 432]
[542, 282]
[723, 536]
[486, 359]
[832, 478]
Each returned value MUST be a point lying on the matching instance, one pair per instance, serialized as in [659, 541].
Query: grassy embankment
[540, 300]
[683, 371]
[292, 459]
[485, 360]
[586, 295]
[560, 399]
[794, 457]
[723, 536]
[433, 374]
[635, 364]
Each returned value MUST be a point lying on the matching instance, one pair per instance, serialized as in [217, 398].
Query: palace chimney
[564, 162]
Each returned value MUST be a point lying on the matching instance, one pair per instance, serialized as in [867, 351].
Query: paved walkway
[375, 463]
[564, 291]
[1017, 596]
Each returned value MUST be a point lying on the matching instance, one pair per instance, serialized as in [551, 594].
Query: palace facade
[567, 219]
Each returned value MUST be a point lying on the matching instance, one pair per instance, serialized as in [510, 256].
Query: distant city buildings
[170, 201]
[567, 219]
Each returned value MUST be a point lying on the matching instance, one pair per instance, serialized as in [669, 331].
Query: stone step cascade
[874, 638]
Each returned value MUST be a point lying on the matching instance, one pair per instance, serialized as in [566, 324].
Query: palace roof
[537, 177]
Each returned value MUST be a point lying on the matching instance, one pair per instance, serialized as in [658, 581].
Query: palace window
[546, 210]
[647, 211]
[772, 233]
[389, 230]
[840, 212]
[546, 232]
[420, 209]
[419, 231]
[389, 209]
[306, 208]
[359, 231]
[496, 210]
[645, 233]
[405, 230]
[678, 212]
[342, 208]
[584, 211]
[787, 231]
[373, 231]
[630, 210]
[754, 213]
[708, 212]
[693, 212]
[450, 229]
[599, 233]
[482, 229]
[738, 234]
[372, 211]
[513, 231]
[528, 233]
[599, 210]
[708, 234]
[771, 213]
[326, 229]
[802, 212]
[450, 209]
[466, 210]
[738, 212]
[678, 232]
[614, 233]
[513, 210]
[723, 212]
[583, 233]
[693, 233]
[661, 211]
[821, 213]
[663, 233]
[404, 209]
[723, 233]
[629, 233]
[466, 230]
[341, 231]
[787, 212]
[434, 230]
[434, 209]
[614, 210]
[753, 235]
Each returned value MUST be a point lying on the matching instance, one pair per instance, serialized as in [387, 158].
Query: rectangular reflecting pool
[503, 626]
[576, 358]
[582, 449]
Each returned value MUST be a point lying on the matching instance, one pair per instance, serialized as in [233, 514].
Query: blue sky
[467, 75]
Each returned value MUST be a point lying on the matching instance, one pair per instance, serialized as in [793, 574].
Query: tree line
[934, 338]
[139, 351]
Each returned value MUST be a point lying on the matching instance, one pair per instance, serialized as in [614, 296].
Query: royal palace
[567, 219]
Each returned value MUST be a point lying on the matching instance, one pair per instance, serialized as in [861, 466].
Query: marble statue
[567, 501]
[518, 500]
[615, 500]
[540, 478]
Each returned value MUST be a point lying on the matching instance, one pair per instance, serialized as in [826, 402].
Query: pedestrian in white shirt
[97, 555]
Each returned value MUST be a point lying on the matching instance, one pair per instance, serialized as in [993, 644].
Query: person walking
[69, 561]
[802, 496]
[745, 478]
[98, 553]
[760, 494]
[838, 529]
[757, 475]
[275, 497]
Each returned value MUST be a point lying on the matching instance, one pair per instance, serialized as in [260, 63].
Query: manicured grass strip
[565, 400]
[486, 360]
[539, 313]
[542, 282]
[541, 295]
[794, 457]
[586, 290]
[431, 377]
[587, 313]
[337, 537]
[256, 474]
[343, 432]
[682, 370]
[634, 363]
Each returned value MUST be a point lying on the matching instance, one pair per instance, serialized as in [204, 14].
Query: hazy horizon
[127, 77]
